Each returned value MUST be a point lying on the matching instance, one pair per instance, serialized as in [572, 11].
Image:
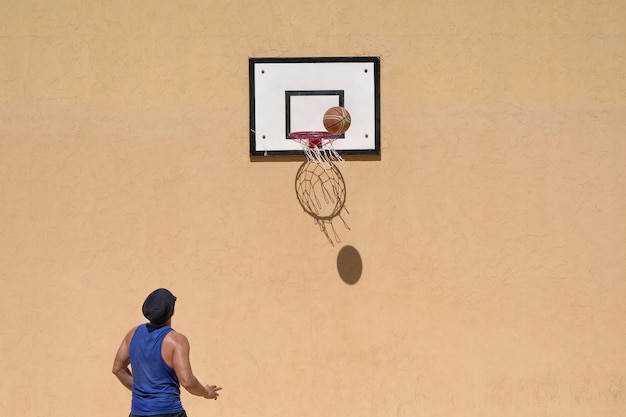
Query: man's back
[156, 389]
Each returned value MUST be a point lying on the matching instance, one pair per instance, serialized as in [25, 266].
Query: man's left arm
[121, 362]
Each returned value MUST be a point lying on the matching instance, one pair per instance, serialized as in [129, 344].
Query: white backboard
[292, 94]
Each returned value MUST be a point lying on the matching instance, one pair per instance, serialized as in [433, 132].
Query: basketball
[337, 120]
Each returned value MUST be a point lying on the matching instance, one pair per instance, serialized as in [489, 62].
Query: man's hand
[211, 392]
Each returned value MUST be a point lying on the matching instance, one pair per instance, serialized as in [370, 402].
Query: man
[159, 359]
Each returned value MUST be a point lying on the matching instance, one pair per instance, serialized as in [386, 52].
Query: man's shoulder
[131, 333]
[172, 343]
[176, 337]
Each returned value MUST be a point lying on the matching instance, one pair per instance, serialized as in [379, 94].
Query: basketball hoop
[317, 146]
[320, 187]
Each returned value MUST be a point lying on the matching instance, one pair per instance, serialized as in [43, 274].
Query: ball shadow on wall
[349, 265]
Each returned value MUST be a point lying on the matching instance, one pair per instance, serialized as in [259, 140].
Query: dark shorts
[181, 414]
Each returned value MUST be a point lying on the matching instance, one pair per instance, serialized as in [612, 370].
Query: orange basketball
[337, 120]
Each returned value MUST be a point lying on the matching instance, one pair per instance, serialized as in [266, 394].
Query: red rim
[313, 139]
[312, 134]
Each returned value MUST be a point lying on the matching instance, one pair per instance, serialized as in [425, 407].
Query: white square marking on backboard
[301, 106]
[292, 94]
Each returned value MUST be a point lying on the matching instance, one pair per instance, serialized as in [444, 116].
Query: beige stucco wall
[491, 231]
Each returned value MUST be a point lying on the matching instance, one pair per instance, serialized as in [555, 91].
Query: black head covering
[159, 306]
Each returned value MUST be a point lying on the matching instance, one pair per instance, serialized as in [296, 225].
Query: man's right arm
[182, 366]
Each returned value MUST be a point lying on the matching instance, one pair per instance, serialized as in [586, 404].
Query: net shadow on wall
[321, 192]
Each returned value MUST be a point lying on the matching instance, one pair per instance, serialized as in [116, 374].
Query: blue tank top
[156, 389]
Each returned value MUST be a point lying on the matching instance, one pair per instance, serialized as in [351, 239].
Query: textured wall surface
[491, 231]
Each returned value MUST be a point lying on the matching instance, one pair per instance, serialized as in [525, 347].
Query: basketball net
[318, 147]
[320, 187]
